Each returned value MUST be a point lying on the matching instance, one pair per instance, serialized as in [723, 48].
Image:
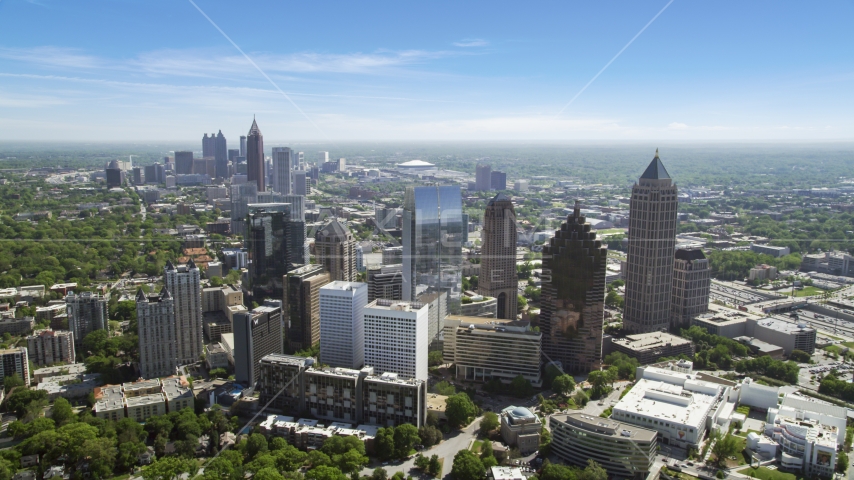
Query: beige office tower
[184, 283]
[498, 255]
[652, 243]
[301, 305]
[335, 249]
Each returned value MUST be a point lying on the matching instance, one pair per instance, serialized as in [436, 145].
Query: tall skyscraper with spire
[652, 243]
[498, 256]
[255, 157]
[221, 155]
[184, 283]
[572, 313]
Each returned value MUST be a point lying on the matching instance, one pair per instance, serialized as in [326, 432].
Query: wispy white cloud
[52, 56]
[677, 126]
[471, 42]
[206, 63]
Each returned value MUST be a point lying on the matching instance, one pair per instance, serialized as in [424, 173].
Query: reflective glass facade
[572, 310]
[432, 245]
[276, 246]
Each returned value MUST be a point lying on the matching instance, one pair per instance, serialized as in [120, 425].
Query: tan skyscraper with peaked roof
[255, 171]
[652, 243]
[335, 249]
[498, 256]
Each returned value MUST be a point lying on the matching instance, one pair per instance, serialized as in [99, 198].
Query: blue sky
[158, 70]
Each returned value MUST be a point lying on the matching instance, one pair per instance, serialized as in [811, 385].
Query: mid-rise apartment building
[158, 342]
[15, 361]
[281, 381]
[183, 282]
[87, 312]
[46, 347]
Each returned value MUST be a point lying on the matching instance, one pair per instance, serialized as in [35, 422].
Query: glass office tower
[432, 250]
[276, 244]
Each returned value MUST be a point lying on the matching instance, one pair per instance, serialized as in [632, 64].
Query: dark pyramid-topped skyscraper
[573, 299]
[255, 157]
[652, 242]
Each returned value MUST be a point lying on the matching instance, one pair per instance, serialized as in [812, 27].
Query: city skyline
[697, 72]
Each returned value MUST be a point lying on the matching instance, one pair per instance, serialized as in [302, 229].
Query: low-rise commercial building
[762, 272]
[479, 306]
[649, 347]
[70, 387]
[806, 444]
[486, 348]
[679, 406]
[789, 336]
[770, 250]
[521, 428]
[623, 450]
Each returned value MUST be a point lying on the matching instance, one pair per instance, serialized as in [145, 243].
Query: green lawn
[848, 344]
[808, 291]
[833, 349]
[765, 473]
[475, 447]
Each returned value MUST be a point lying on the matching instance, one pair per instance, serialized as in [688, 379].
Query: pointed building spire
[140, 295]
[254, 130]
[656, 153]
[169, 265]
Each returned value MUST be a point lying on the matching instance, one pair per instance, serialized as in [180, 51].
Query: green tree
[467, 466]
[799, 356]
[62, 412]
[429, 435]
[168, 468]
[725, 447]
[12, 381]
[101, 453]
[350, 461]
[593, 471]
[379, 473]
[489, 422]
[316, 458]
[554, 471]
[434, 358]
[486, 449]
[459, 409]
[405, 437]
[563, 385]
[267, 473]
[434, 466]
[841, 462]
[324, 472]
[385, 443]
[422, 462]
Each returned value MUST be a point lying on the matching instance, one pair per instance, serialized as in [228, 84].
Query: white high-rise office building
[283, 165]
[322, 157]
[342, 324]
[298, 160]
[396, 337]
[184, 283]
[158, 347]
